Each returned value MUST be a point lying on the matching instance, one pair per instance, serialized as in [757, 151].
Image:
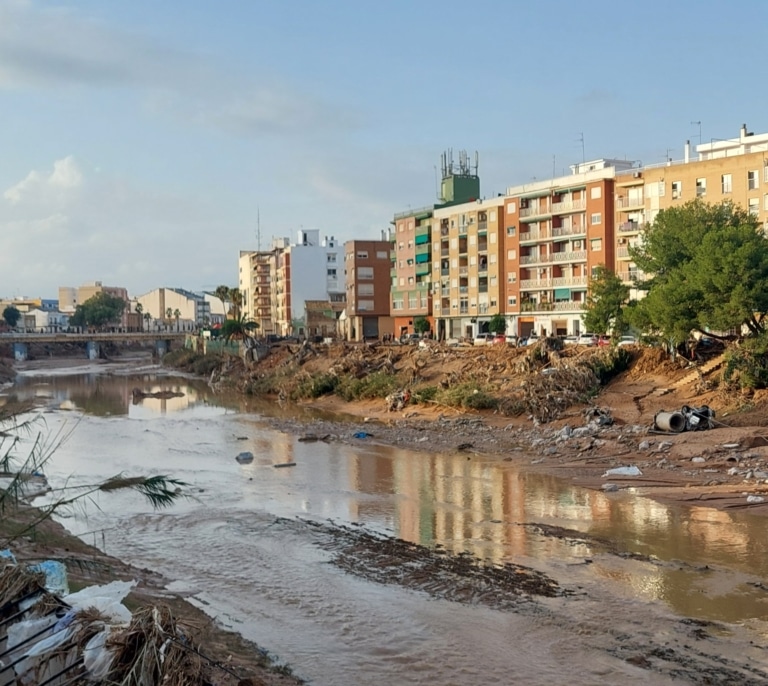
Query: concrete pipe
[670, 421]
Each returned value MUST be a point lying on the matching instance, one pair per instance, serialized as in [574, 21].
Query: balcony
[482, 226]
[445, 272]
[629, 276]
[630, 227]
[634, 203]
[529, 213]
[569, 206]
[557, 282]
[533, 235]
[622, 251]
[568, 231]
[444, 252]
[463, 271]
[444, 230]
[423, 249]
[564, 306]
[568, 256]
[422, 269]
[463, 289]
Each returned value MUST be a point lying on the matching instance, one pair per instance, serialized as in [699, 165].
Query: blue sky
[138, 139]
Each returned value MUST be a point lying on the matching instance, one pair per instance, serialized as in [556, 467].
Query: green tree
[168, 313]
[498, 324]
[421, 325]
[99, 310]
[238, 329]
[147, 318]
[604, 309]
[707, 267]
[11, 315]
[176, 316]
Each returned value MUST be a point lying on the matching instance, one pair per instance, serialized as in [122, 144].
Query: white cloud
[45, 188]
[46, 47]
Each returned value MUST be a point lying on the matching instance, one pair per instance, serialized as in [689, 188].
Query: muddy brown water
[241, 549]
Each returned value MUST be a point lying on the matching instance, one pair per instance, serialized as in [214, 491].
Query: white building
[192, 308]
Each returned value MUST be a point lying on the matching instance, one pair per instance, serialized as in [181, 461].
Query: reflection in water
[476, 505]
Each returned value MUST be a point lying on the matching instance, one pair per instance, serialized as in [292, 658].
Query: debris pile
[685, 419]
[88, 636]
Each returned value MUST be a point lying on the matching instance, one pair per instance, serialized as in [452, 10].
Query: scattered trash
[698, 459]
[398, 400]
[244, 458]
[284, 464]
[461, 447]
[308, 438]
[362, 434]
[686, 419]
[623, 471]
[755, 499]
[55, 576]
[601, 416]
[610, 488]
[731, 446]
[644, 445]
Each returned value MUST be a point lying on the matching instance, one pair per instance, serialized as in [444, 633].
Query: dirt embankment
[547, 410]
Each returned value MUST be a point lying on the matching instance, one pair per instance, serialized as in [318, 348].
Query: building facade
[192, 308]
[255, 283]
[367, 270]
[556, 233]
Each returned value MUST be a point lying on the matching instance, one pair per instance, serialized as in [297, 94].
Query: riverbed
[643, 578]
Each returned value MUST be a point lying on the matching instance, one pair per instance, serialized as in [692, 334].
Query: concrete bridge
[21, 341]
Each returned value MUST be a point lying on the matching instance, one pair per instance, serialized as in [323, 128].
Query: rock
[566, 431]
[698, 459]
[644, 445]
[733, 471]
[244, 458]
[550, 451]
[610, 488]
[664, 445]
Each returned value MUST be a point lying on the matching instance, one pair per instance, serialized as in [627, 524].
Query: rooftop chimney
[687, 149]
[743, 132]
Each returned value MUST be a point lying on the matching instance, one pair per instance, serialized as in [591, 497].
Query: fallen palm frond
[152, 651]
[16, 583]
[156, 489]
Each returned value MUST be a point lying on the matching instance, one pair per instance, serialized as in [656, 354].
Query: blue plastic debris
[55, 576]
[7, 555]
[362, 434]
[244, 458]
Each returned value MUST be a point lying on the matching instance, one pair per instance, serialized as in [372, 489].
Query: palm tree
[147, 318]
[236, 297]
[177, 314]
[139, 309]
[222, 293]
[238, 329]
[168, 313]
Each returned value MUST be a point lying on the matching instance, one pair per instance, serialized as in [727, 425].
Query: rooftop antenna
[697, 123]
[581, 140]
[437, 185]
[258, 229]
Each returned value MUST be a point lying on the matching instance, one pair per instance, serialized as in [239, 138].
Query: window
[493, 215]
[412, 302]
[595, 192]
[492, 258]
[332, 257]
[765, 173]
[397, 304]
[365, 289]
[727, 183]
[511, 254]
[596, 219]
[512, 300]
[365, 272]
[596, 244]
[765, 202]
[364, 305]
[511, 277]
[363, 254]
[492, 238]
[410, 280]
[677, 189]
[511, 230]
[381, 254]
[332, 273]
[752, 180]
[512, 207]
[754, 206]
[701, 187]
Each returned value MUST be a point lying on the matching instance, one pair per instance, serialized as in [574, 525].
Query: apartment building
[412, 243]
[556, 232]
[309, 269]
[255, 268]
[467, 267]
[191, 307]
[70, 298]
[734, 169]
[367, 269]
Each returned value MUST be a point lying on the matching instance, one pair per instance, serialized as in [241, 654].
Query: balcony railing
[444, 252]
[569, 206]
[625, 203]
[628, 276]
[538, 210]
[463, 271]
[622, 251]
[568, 256]
[482, 226]
[629, 227]
[533, 235]
[557, 282]
[564, 306]
[568, 231]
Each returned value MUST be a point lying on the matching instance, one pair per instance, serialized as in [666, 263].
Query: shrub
[746, 365]
[468, 395]
[376, 385]
[424, 395]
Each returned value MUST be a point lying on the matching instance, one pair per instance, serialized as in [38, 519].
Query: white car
[484, 338]
[627, 340]
[587, 339]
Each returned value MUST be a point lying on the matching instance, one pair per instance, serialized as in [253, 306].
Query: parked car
[483, 339]
[571, 340]
[587, 339]
[627, 340]
[603, 340]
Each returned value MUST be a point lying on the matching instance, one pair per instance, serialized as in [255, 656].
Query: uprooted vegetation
[540, 380]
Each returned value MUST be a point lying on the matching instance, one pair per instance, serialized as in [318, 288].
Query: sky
[144, 143]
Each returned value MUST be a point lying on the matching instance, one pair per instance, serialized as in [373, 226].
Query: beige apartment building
[556, 233]
[467, 264]
[735, 169]
[255, 269]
